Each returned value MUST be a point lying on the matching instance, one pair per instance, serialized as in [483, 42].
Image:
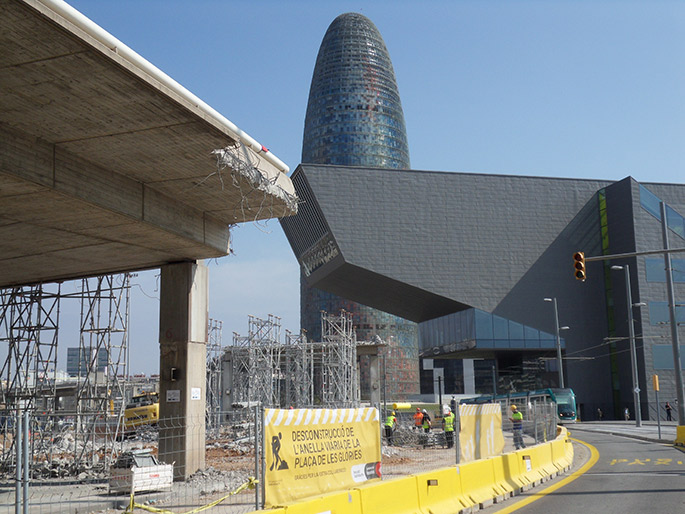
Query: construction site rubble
[211, 480]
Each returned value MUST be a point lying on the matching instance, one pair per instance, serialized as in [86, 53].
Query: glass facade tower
[354, 118]
[354, 115]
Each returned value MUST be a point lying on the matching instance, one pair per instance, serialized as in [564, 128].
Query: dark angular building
[471, 258]
[354, 118]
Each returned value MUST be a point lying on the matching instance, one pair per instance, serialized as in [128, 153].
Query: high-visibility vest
[418, 419]
[518, 420]
[390, 421]
[449, 422]
[426, 421]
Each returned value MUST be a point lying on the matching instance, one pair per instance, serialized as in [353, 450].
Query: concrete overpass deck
[105, 162]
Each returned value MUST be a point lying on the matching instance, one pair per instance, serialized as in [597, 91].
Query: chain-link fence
[415, 448]
[50, 465]
[53, 463]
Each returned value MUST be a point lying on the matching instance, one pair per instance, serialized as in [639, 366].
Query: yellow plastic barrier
[478, 481]
[529, 473]
[440, 492]
[346, 502]
[512, 469]
[536, 463]
[500, 467]
[680, 435]
[446, 490]
[397, 496]
[562, 452]
[546, 461]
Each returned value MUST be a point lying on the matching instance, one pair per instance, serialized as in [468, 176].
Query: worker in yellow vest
[390, 425]
[426, 421]
[448, 427]
[517, 422]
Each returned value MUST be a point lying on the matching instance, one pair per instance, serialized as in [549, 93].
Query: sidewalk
[649, 431]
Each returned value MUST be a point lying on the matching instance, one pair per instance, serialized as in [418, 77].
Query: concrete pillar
[374, 379]
[183, 318]
[371, 350]
[469, 377]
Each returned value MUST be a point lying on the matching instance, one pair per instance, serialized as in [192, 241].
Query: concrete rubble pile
[211, 480]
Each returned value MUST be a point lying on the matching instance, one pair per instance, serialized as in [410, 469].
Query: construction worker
[418, 419]
[426, 421]
[517, 421]
[390, 425]
[448, 427]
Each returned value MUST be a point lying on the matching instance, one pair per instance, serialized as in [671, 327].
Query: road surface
[621, 476]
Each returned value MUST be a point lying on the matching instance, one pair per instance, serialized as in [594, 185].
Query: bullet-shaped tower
[354, 118]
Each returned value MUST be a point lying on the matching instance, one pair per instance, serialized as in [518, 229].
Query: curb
[623, 434]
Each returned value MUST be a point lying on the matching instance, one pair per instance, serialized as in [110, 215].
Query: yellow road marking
[594, 457]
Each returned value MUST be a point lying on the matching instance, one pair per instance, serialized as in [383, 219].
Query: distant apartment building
[82, 360]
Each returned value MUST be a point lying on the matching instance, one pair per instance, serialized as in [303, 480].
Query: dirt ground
[407, 456]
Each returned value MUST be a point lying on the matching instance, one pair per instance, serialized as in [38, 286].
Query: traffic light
[579, 266]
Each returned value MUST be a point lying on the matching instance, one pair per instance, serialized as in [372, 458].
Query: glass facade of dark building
[354, 118]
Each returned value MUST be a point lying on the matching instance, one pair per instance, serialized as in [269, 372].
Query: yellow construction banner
[480, 435]
[315, 451]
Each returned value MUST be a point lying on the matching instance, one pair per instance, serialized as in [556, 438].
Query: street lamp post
[633, 354]
[558, 343]
[677, 363]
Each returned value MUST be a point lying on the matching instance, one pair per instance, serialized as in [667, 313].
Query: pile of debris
[211, 480]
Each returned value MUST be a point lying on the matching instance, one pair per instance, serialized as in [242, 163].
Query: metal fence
[47, 465]
[414, 450]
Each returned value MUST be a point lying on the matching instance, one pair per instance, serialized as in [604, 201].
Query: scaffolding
[102, 367]
[213, 388]
[29, 321]
[298, 370]
[29, 329]
[340, 387]
[262, 369]
[255, 363]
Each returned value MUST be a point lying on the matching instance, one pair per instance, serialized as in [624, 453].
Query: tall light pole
[677, 367]
[633, 355]
[558, 343]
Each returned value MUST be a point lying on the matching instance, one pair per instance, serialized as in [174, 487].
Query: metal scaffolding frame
[298, 370]
[100, 396]
[29, 326]
[340, 386]
[255, 363]
[213, 388]
[298, 373]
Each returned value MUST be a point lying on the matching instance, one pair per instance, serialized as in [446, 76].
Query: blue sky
[579, 89]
